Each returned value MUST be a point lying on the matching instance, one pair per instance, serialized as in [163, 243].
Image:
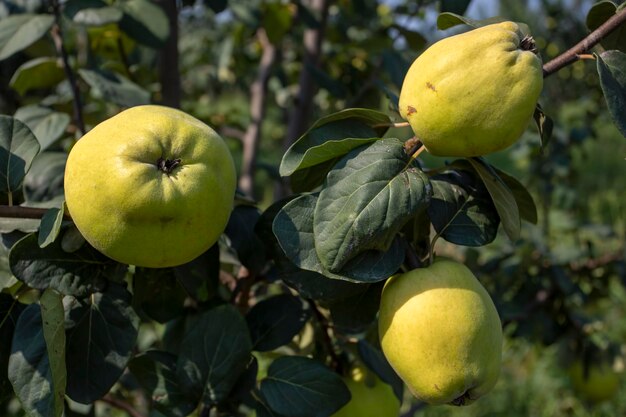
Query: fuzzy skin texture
[135, 213]
[371, 397]
[440, 331]
[474, 93]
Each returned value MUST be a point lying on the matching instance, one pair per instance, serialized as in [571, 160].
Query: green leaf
[158, 294]
[44, 180]
[37, 73]
[10, 310]
[145, 22]
[79, 273]
[156, 373]
[101, 334]
[525, 202]
[544, 125]
[293, 228]
[375, 360]
[115, 88]
[302, 387]
[200, 277]
[461, 210]
[276, 20]
[29, 365]
[21, 30]
[92, 12]
[414, 40]
[275, 321]
[46, 124]
[53, 319]
[332, 137]
[455, 6]
[612, 71]
[366, 199]
[599, 13]
[18, 147]
[50, 226]
[447, 20]
[356, 313]
[214, 352]
[240, 232]
[502, 197]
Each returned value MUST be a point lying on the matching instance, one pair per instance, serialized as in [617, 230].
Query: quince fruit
[440, 331]
[599, 382]
[151, 186]
[474, 93]
[371, 397]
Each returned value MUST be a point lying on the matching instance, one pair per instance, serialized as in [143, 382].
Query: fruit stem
[528, 44]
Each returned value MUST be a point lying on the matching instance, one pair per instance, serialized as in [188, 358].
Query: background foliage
[265, 73]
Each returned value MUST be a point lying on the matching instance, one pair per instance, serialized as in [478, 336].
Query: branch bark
[572, 55]
[19, 212]
[169, 71]
[258, 92]
[57, 37]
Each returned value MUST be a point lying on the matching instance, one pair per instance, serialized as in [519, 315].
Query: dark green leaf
[79, 273]
[29, 365]
[414, 40]
[240, 232]
[91, 12]
[21, 30]
[115, 88]
[53, 319]
[544, 125]
[274, 321]
[276, 20]
[44, 180]
[50, 226]
[455, 6]
[502, 197]
[200, 277]
[376, 361]
[101, 334]
[293, 228]
[18, 147]
[158, 294]
[612, 71]
[447, 20]
[396, 66]
[10, 310]
[367, 198]
[246, 383]
[461, 210]
[37, 73]
[334, 136]
[301, 387]
[214, 352]
[145, 22]
[46, 124]
[156, 372]
[599, 13]
[355, 313]
[217, 6]
[525, 202]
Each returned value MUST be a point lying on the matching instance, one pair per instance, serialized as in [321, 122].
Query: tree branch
[258, 92]
[335, 362]
[57, 37]
[19, 212]
[573, 54]
[169, 72]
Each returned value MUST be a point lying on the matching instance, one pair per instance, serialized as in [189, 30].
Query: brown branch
[121, 404]
[19, 212]
[335, 362]
[57, 37]
[573, 54]
[258, 92]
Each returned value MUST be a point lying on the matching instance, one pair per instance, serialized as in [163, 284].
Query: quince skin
[474, 93]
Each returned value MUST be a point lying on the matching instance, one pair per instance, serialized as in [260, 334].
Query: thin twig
[574, 53]
[57, 36]
[121, 404]
[326, 340]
